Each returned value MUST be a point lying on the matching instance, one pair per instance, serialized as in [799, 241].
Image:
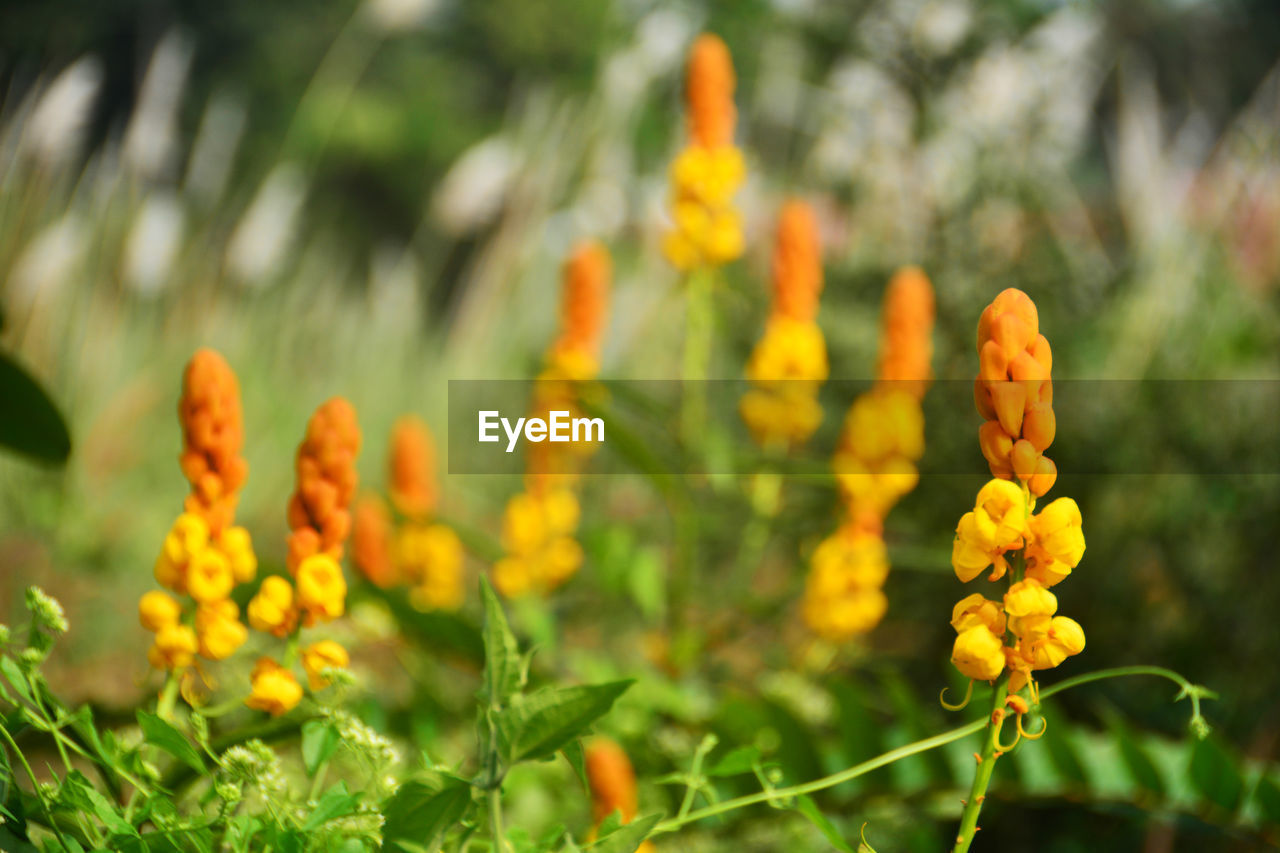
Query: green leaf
[335, 803]
[647, 582]
[626, 838]
[1267, 796]
[1062, 752]
[79, 793]
[574, 754]
[319, 740]
[736, 762]
[538, 725]
[503, 671]
[16, 678]
[807, 807]
[29, 422]
[12, 844]
[1214, 774]
[1136, 760]
[162, 734]
[422, 812]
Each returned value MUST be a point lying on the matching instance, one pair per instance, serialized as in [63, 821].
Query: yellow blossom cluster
[538, 524]
[705, 176]
[203, 556]
[410, 549]
[538, 536]
[789, 364]
[875, 465]
[1020, 633]
[320, 520]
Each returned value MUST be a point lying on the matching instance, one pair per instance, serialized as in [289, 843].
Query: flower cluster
[875, 465]
[1022, 632]
[707, 173]
[538, 537]
[539, 523]
[1014, 392]
[203, 556]
[427, 556]
[320, 521]
[789, 363]
[612, 781]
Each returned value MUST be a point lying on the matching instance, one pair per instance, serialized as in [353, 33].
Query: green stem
[1194, 692]
[168, 697]
[494, 797]
[697, 356]
[35, 784]
[986, 766]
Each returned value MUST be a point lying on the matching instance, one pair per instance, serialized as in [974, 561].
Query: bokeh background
[370, 198]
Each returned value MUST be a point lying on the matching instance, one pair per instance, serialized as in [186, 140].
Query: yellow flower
[322, 590]
[209, 576]
[975, 610]
[511, 577]
[781, 412]
[271, 610]
[157, 610]
[1000, 514]
[789, 350]
[219, 629]
[849, 558]
[1063, 638]
[238, 548]
[1029, 598]
[969, 554]
[978, 653]
[170, 574]
[849, 615]
[1058, 532]
[175, 647]
[275, 689]
[188, 536]
[317, 657]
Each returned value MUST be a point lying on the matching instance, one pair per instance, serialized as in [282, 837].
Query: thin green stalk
[1194, 692]
[826, 781]
[168, 697]
[697, 356]
[35, 784]
[494, 797]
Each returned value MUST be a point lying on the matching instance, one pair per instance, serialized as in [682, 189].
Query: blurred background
[371, 198]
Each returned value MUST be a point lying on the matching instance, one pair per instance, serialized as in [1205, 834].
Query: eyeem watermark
[559, 426]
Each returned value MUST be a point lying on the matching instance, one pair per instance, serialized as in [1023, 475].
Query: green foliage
[30, 423]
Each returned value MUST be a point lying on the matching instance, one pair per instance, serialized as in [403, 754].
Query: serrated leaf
[335, 803]
[503, 671]
[626, 838]
[422, 812]
[736, 762]
[807, 807]
[29, 421]
[1214, 774]
[538, 725]
[319, 741]
[162, 734]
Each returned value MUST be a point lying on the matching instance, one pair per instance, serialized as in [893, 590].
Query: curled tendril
[864, 847]
[1044, 724]
[995, 738]
[968, 694]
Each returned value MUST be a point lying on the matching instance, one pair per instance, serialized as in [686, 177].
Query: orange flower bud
[709, 92]
[371, 541]
[906, 347]
[1040, 425]
[326, 483]
[1023, 459]
[412, 468]
[275, 689]
[584, 297]
[1045, 476]
[797, 263]
[212, 436]
[611, 779]
[317, 657]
